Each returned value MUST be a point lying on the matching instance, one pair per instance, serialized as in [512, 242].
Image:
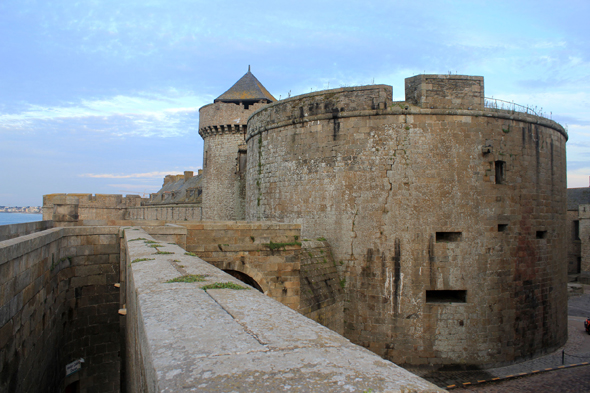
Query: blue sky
[103, 96]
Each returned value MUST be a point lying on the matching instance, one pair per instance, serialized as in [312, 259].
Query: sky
[103, 96]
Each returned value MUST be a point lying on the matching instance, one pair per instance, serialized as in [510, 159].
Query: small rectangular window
[576, 230]
[541, 234]
[502, 227]
[446, 296]
[448, 237]
[500, 172]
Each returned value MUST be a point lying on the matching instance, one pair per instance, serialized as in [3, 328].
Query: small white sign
[74, 366]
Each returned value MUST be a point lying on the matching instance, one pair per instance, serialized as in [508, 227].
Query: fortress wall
[380, 184]
[182, 337]
[574, 244]
[94, 207]
[170, 213]
[244, 247]
[445, 91]
[322, 293]
[15, 230]
[58, 304]
[221, 178]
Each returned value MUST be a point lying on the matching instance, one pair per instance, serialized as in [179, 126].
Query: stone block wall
[186, 212]
[445, 91]
[15, 230]
[322, 293]
[223, 126]
[58, 304]
[419, 204]
[94, 207]
[244, 247]
[574, 243]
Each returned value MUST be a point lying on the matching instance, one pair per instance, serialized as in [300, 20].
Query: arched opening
[244, 278]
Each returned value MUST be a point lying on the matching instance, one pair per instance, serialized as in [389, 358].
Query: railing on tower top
[494, 103]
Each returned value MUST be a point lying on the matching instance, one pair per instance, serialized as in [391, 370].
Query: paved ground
[577, 350]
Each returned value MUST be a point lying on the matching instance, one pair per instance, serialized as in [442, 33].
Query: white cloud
[145, 114]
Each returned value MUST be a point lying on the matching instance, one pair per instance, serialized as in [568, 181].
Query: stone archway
[244, 278]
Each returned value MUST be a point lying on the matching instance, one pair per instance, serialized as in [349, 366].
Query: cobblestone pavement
[576, 350]
[571, 380]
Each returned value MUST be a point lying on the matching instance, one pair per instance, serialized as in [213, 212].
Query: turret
[222, 125]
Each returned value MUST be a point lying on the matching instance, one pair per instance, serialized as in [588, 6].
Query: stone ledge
[238, 340]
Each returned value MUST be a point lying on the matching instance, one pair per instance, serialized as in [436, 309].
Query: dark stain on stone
[431, 260]
[396, 274]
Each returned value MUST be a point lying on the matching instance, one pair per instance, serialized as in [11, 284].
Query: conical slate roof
[247, 89]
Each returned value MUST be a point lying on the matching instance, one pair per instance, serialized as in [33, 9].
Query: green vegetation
[310, 254]
[275, 246]
[321, 239]
[322, 252]
[142, 259]
[156, 245]
[296, 237]
[192, 254]
[150, 241]
[188, 278]
[164, 252]
[506, 130]
[139, 238]
[222, 285]
[325, 261]
[253, 239]
[343, 282]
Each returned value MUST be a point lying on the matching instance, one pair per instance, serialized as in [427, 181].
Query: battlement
[225, 118]
[96, 200]
[445, 91]
[331, 103]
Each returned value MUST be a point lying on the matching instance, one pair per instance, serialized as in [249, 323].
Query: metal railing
[496, 104]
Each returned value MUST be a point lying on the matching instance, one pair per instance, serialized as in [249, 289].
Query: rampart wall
[183, 336]
[58, 304]
[16, 230]
[449, 221]
[94, 207]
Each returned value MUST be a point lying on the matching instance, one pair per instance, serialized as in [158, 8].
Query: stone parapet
[92, 207]
[584, 235]
[445, 91]
[15, 230]
[228, 339]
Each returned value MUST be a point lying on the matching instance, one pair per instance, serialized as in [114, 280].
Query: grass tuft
[164, 252]
[188, 278]
[142, 259]
[223, 285]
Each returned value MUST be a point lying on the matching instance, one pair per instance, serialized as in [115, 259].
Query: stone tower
[222, 125]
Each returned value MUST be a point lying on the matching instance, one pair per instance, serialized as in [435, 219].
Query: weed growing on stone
[325, 261]
[275, 246]
[142, 259]
[343, 282]
[156, 245]
[188, 278]
[150, 241]
[321, 239]
[310, 254]
[222, 285]
[253, 239]
[192, 254]
[164, 252]
[322, 252]
[139, 238]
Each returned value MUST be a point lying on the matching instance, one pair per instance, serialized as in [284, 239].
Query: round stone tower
[222, 125]
[446, 215]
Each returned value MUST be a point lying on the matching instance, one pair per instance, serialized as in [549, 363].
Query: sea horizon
[8, 218]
